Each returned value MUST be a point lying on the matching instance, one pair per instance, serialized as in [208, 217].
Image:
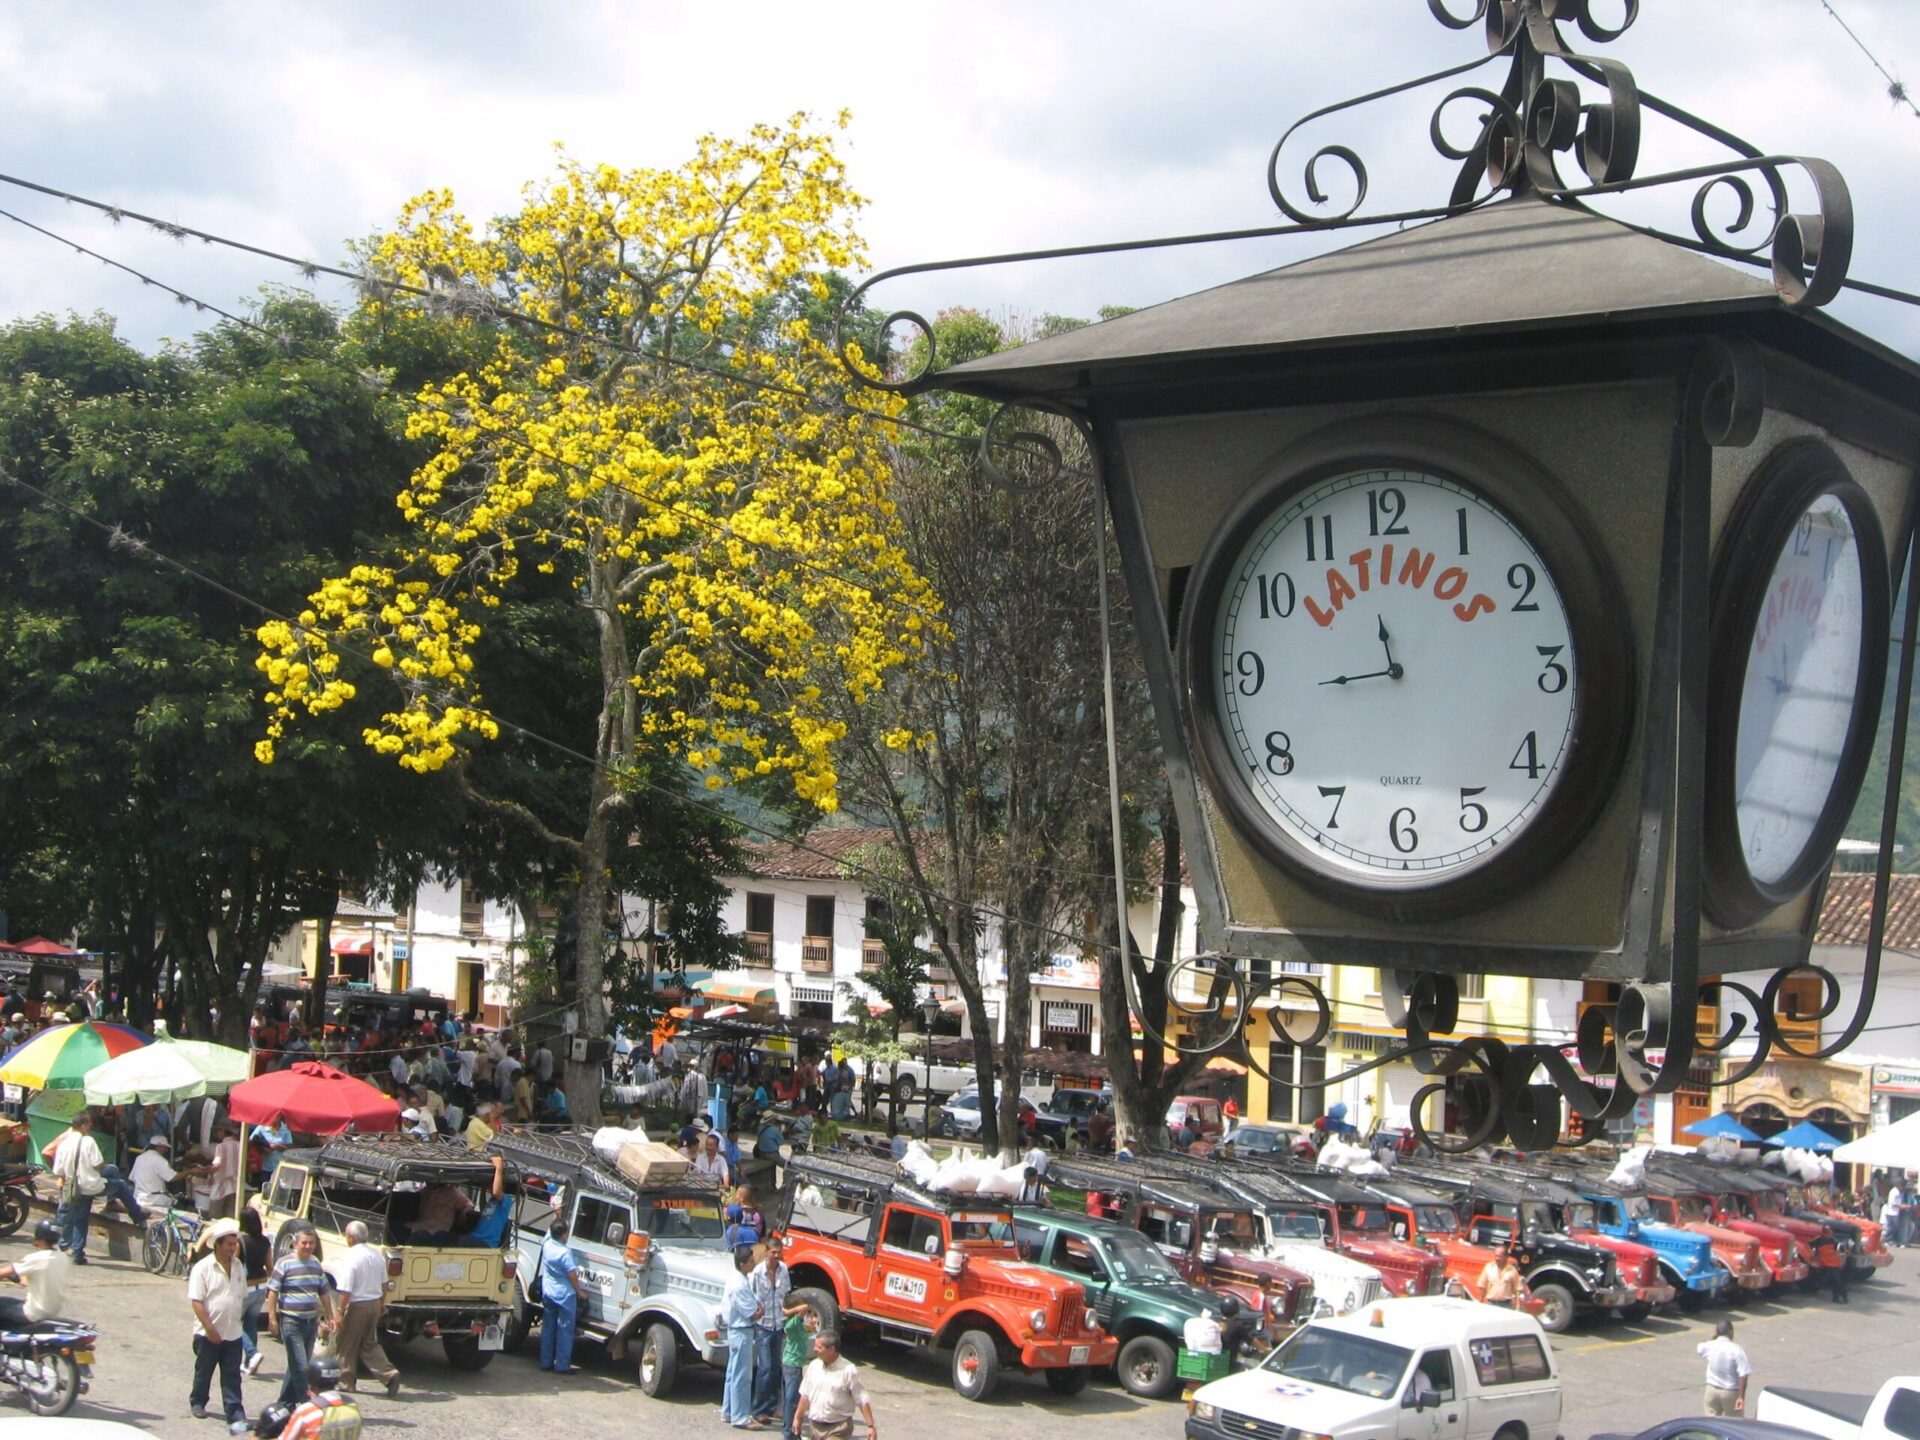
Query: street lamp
[929, 1008]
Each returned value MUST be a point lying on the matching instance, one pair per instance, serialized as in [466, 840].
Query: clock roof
[1514, 266]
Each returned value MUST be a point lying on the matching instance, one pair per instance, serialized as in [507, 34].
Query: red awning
[353, 947]
[40, 945]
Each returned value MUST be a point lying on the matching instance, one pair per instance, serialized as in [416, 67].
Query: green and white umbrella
[166, 1072]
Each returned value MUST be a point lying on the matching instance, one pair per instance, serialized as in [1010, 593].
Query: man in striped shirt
[301, 1302]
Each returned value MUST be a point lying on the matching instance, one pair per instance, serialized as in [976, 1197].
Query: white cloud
[978, 128]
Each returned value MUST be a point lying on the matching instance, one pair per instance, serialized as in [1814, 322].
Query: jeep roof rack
[569, 1156]
[1144, 1178]
[386, 1159]
[848, 1170]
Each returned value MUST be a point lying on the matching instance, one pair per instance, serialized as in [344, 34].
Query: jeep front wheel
[904, 1089]
[1557, 1302]
[825, 1308]
[518, 1326]
[1146, 1367]
[976, 1365]
[659, 1359]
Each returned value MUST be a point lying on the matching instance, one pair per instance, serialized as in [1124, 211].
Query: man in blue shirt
[739, 1309]
[560, 1291]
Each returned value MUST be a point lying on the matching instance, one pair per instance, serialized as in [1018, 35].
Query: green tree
[126, 747]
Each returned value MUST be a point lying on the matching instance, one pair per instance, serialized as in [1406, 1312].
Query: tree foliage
[136, 811]
[653, 421]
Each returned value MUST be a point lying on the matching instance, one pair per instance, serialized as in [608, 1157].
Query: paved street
[1617, 1377]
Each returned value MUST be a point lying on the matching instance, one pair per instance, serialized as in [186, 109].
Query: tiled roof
[820, 855]
[1843, 919]
[351, 910]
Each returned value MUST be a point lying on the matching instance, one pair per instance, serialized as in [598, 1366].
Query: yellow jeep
[441, 1283]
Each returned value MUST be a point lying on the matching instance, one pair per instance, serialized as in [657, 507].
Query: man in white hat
[152, 1174]
[217, 1291]
[419, 1126]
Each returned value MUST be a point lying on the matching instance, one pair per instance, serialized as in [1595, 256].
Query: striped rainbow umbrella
[59, 1059]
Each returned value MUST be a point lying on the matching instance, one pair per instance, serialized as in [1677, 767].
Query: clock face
[1802, 682]
[1797, 665]
[1392, 676]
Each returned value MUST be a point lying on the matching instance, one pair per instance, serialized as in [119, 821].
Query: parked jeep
[873, 1252]
[1686, 1257]
[1211, 1240]
[443, 1284]
[1136, 1294]
[1419, 1213]
[1340, 1285]
[1354, 1222]
[1711, 1191]
[1816, 1201]
[653, 1260]
[1565, 1274]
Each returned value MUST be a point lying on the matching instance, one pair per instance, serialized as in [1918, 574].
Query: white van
[1422, 1368]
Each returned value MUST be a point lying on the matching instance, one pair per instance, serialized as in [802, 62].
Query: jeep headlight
[1038, 1320]
[1201, 1410]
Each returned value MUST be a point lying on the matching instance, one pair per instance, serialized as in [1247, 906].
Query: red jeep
[871, 1252]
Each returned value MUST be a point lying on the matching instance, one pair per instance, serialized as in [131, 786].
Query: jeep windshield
[1436, 1219]
[1335, 1358]
[1367, 1219]
[1136, 1260]
[1295, 1222]
[1638, 1208]
[1579, 1216]
[977, 1230]
[1693, 1210]
[677, 1218]
[1235, 1229]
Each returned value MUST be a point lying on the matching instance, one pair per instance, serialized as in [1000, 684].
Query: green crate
[1194, 1366]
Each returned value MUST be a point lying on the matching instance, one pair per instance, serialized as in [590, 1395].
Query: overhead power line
[1896, 88]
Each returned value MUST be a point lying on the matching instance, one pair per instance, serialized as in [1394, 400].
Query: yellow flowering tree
[657, 419]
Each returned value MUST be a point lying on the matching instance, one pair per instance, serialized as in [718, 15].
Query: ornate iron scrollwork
[1555, 107]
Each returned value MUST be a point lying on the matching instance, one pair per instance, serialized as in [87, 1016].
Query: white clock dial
[1802, 681]
[1394, 675]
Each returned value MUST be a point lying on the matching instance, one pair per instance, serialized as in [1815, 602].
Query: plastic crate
[1192, 1365]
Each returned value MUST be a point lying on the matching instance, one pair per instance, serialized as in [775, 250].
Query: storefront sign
[1076, 1018]
[1895, 1080]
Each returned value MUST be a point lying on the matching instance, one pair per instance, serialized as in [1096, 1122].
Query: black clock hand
[1393, 670]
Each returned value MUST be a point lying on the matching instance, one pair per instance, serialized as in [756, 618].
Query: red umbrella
[40, 945]
[316, 1099]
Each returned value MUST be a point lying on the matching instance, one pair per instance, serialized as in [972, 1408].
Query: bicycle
[169, 1240]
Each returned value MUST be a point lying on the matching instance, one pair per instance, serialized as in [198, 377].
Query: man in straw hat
[217, 1291]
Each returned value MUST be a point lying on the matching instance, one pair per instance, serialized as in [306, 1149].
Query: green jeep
[1132, 1289]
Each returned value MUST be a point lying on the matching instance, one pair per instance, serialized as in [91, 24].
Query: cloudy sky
[978, 128]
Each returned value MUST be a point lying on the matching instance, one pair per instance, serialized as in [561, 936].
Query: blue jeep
[1686, 1259]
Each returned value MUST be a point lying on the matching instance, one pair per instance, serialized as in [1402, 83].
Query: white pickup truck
[1893, 1413]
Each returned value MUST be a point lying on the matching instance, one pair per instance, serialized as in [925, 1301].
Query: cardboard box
[651, 1164]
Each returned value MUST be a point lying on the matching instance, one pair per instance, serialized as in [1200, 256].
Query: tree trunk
[1142, 1091]
[315, 1012]
[589, 966]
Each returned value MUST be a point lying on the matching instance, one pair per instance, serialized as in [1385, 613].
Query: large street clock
[1408, 668]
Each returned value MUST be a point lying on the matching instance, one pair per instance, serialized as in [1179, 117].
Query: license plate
[493, 1337]
[1078, 1354]
[83, 1357]
[450, 1270]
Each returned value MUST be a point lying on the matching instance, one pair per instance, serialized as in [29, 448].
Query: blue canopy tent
[1804, 1136]
[1722, 1124]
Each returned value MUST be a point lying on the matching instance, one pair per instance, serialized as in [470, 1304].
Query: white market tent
[1895, 1147]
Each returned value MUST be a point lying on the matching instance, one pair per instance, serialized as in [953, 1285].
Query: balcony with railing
[816, 954]
[759, 947]
[873, 956]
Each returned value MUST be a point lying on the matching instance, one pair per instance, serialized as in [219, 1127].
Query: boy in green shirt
[796, 1349]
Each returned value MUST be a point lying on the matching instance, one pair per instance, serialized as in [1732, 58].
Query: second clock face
[1801, 689]
[1393, 675]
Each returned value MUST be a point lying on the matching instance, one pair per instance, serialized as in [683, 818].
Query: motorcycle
[16, 1190]
[48, 1361]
